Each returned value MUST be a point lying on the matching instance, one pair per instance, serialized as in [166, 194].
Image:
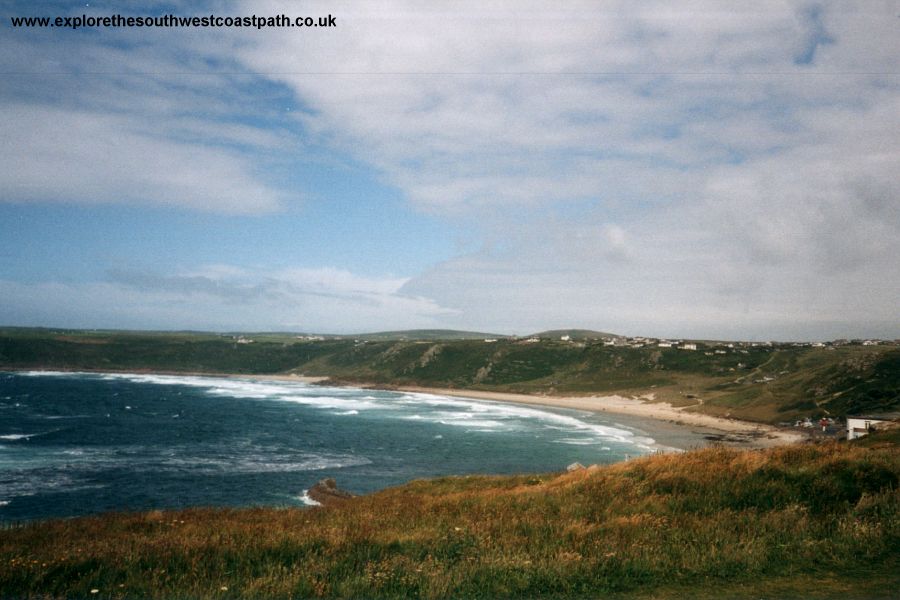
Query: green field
[810, 521]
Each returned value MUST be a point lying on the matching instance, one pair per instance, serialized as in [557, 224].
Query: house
[860, 425]
[565, 338]
[689, 347]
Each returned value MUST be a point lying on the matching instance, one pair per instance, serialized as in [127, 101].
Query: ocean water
[78, 443]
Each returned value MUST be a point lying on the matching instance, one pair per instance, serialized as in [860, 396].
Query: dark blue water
[75, 444]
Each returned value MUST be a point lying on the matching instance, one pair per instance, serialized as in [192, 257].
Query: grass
[707, 523]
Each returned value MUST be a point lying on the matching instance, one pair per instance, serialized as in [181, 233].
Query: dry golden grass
[706, 521]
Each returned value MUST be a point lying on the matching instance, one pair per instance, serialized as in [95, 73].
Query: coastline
[714, 430]
[669, 426]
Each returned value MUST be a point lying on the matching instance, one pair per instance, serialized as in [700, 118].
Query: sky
[695, 169]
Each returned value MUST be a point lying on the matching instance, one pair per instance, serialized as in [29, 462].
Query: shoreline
[716, 430]
[669, 426]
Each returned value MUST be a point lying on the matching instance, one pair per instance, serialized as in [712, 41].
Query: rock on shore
[327, 492]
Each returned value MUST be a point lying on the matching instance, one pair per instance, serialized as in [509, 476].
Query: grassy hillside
[769, 383]
[814, 521]
[424, 334]
[138, 351]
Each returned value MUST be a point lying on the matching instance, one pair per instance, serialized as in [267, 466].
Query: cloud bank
[216, 297]
[699, 169]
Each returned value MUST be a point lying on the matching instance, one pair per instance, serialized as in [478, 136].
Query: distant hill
[270, 336]
[424, 334]
[774, 383]
[575, 334]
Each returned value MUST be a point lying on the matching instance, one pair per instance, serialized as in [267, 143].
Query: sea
[84, 443]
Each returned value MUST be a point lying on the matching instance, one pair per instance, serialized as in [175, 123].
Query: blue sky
[693, 170]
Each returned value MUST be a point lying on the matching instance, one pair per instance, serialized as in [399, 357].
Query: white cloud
[119, 119]
[680, 168]
[828, 206]
[223, 297]
[740, 162]
[64, 156]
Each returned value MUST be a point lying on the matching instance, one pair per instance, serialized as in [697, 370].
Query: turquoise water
[77, 443]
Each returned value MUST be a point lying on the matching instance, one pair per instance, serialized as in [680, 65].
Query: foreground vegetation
[803, 521]
[767, 383]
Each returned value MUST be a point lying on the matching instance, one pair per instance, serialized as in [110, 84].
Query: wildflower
[224, 588]
[95, 591]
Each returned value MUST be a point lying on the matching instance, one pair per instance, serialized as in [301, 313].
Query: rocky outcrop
[327, 492]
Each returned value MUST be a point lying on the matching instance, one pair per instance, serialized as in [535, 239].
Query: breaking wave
[475, 415]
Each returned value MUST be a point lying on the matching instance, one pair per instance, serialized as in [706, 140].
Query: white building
[860, 425]
[689, 347]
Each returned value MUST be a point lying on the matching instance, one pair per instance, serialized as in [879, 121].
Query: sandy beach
[287, 377]
[670, 426]
[651, 415]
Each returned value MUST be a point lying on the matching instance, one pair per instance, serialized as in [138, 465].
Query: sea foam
[305, 499]
[475, 415]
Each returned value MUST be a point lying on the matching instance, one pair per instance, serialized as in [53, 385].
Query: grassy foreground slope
[760, 383]
[814, 521]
